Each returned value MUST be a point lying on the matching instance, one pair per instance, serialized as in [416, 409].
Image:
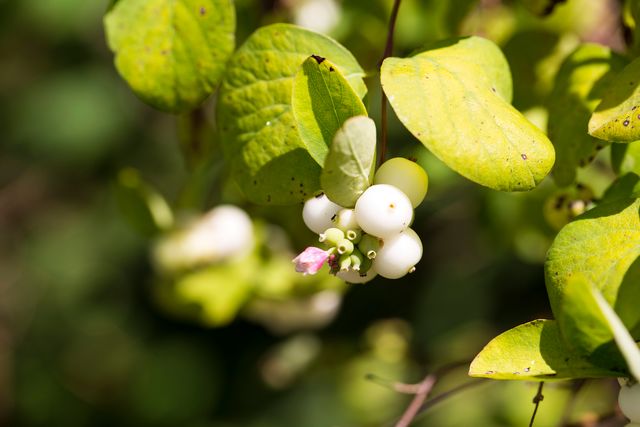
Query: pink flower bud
[310, 260]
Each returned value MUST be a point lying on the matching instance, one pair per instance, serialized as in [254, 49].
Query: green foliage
[625, 187]
[349, 166]
[534, 351]
[142, 205]
[616, 118]
[322, 100]
[172, 53]
[580, 84]
[269, 160]
[455, 99]
[584, 326]
[601, 245]
[218, 292]
[625, 158]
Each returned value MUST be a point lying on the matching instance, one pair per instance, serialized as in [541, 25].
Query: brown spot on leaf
[524, 156]
[319, 59]
[203, 11]
[626, 122]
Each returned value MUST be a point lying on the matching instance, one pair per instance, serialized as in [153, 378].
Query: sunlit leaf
[322, 100]
[349, 164]
[580, 84]
[259, 134]
[533, 351]
[601, 245]
[617, 117]
[171, 52]
[455, 100]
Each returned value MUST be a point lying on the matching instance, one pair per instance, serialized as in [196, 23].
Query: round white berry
[383, 210]
[398, 255]
[222, 233]
[406, 175]
[353, 276]
[318, 213]
[629, 401]
[346, 220]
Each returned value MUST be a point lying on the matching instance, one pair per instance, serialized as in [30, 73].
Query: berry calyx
[331, 236]
[369, 246]
[405, 175]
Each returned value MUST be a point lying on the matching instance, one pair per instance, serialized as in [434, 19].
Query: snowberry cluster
[629, 402]
[374, 237]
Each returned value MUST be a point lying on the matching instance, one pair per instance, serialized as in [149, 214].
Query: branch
[536, 400]
[388, 50]
[423, 390]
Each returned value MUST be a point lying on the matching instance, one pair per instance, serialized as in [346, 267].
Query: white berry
[222, 233]
[406, 175]
[346, 220]
[398, 255]
[383, 210]
[352, 276]
[629, 402]
[318, 213]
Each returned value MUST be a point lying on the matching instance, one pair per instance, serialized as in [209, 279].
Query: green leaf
[533, 351]
[583, 325]
[213, 296]
[626, 157]
[268, 159]
[617, 117]
[171, 52]
[322, 100]
[455, 100]
[623, 338]
[579, 87]
[142, 206]
[601, 245]
[625, 187]
[349, 165]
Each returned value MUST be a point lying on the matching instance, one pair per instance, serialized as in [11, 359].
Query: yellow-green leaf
[268, 159]
[533, 351]
[171, 52]
[617, 117]
[601, 245]
[322, 100]
[349, 165]
[579, 87]
[455, 100]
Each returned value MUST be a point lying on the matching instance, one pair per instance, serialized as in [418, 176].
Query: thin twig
[536, 401]
[394, 385]
[423, 391]
[447, 394]
[388, 50]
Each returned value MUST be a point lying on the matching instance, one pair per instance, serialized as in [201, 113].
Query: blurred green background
[88, 337]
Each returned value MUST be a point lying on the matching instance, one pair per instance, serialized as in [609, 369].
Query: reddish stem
[388, 50]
